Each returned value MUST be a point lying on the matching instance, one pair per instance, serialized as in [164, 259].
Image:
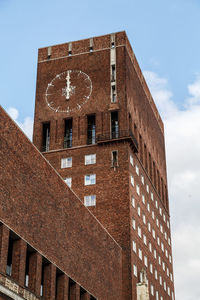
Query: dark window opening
[114, 97]
[59, 274]
[45, 262]
[46, 137]
[113, 73]
[68, 133]
[12, 238]
[113, 45]
[72, 289]
[91, 49]
[91, 130]
[114, 158]
[29, 252]
[114, 124]
[92, 298]
[69, 53]
[82, 293]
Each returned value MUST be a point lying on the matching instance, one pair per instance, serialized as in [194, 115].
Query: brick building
[106, 229]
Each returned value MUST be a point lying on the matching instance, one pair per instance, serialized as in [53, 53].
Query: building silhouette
[96, 223]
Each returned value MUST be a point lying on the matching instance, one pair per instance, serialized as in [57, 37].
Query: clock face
[68, 91]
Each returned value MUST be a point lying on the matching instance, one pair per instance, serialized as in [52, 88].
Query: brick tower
[97, 124]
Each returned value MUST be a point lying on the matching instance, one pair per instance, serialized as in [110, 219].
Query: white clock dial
[68, 91]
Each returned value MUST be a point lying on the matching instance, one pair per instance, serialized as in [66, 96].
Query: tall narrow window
[91, 130]
[46, 137]
[114, 125]
[9, 257]
[68, 133]
[114, 158]
[113, 90]
[113, 73]
[29, 252]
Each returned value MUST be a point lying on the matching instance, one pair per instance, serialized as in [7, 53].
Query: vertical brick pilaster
[49, 282]
[4, 239]
[77, 291]
[35, 272]
[19, 261]
[62, 287]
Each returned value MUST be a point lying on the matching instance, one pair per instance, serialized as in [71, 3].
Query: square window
[139, 232]
[66, 162]
[145, 261]
[131, 160]
[134, 246]
[90, 179]
[144, 239]
[132, 180]
[140, 254]
[138, 189]
[133, 223]
[143, 199]
[138, 210]
[135, 270]
[68, 181]
[137, 170]
[133, 201]
[90, 159]
[90, 200]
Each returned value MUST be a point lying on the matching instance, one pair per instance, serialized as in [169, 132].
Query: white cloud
[182, 130]
[26, 125]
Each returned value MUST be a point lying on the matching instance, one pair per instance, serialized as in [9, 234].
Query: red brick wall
[37, 204]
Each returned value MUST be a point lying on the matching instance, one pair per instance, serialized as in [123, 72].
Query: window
[142, 179]
[131, 160]
[164, 284]
[139, 232]
[113, 91]
[158, 241]
[147, 188]
[152, 290]
[90, 159]
[171, 278]
[162, 247]
[90, 179]
[91, 130]
[161, 228]
[166, 253]
[168, 224]
[164, 218]
[90, 200]
[149, 227]
[153, 233]
[154, 253]
[68, 133]
[144, 219]
[114, 158]
[167, 272]
[144, 239]
[138, 210]
[156, 274]
[159, 260]
[143, 199]
[166, 236]
[135, 270]
[160, 280]
[45, 136]
[168, 290]
[140, 254]
[68, 181]
[148, 207]
[156, 203]
[66, 162]
[157, 295]
[113, 72]
[132, 180]
[138, 189]
[137, 170]
[133, 223]
[151, 196]
[133, 201]
[150, 247]
[170, 259]
[145, 261]
[157, 222]
[169, 241]
[153, 215]
[151, 268]
[114, 125]
[160, 211]
[163, 266]
[134, 246]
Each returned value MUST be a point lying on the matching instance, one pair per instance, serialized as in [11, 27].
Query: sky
[164, 35]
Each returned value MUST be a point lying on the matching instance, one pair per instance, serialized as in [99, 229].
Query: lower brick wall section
[38, 206]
